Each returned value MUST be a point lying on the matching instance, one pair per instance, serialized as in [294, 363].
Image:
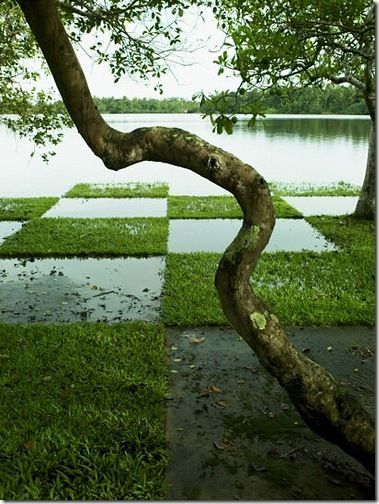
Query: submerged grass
[130, 190]
[219, 207]
[82, 414]
[302, 288]
[336, 189]
[57, 237]
[22, 209]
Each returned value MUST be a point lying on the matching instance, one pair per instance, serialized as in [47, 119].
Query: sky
[199, 73]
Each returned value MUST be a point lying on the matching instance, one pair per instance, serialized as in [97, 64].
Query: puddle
[109, 207]
[198, 235]
[7, 228]
[71, 290]
[235, 435]
[323, 205]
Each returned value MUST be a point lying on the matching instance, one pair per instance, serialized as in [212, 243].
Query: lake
[283, 148]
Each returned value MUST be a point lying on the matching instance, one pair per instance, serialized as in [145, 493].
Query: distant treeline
[311, 100]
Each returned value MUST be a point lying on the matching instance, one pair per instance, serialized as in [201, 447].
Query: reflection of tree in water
[355, 130]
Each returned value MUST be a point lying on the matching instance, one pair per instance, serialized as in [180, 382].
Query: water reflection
[70, 290]
[312, 150]
[323, 205]
[109, 207]
[214, 235]
[355, 130]
[7, 228]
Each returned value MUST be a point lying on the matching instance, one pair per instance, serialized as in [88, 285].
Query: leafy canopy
[283, 45]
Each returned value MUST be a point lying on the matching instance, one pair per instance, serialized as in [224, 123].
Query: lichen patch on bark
[258, 320]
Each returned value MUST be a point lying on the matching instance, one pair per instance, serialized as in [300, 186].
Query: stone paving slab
[233, 432]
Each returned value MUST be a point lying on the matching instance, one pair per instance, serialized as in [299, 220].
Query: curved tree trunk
[365, 208]
[325, 405]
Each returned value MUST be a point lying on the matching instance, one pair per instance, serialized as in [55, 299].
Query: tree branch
[349, 79]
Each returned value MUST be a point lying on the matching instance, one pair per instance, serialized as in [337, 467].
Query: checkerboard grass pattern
[303, 288]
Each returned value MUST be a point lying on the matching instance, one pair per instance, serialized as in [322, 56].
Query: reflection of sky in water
[323, 205]
[198, 235]
[108, 207]
[288, 150]
[7, 228]
[69, 290]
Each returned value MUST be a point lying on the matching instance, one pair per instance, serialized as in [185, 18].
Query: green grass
[307, 288]
[22, 209]
[335, 189]
[57, 237]
[219, 207]
[130, 190]
[82, 412]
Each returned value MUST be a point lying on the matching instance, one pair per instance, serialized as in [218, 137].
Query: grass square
[339, 188]
[65, 237]
[129, 190]
[221, 207]
[22, 209]
[82, 412]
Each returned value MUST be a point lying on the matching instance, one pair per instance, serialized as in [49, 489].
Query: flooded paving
[7, 228]
[71, 290]
[109, 207]
[235, 435]
[323, 205]
[214, 235]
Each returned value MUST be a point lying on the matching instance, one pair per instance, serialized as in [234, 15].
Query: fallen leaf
[29, 445]
[197, 341]
[214, 390]
[223, 445]
[258, 469]
[223, 404]
[251, 369]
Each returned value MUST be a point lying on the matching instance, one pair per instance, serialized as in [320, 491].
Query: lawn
[337, 189]
[57, 237]
[219, 207]
[82, 412]
[83, 405]
[131, 190]
[22, 209]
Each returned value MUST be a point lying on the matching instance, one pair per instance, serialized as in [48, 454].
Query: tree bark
[365, 208]
[325, 405]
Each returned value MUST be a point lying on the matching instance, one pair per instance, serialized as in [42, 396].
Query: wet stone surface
[71, 290]
[235, 435]
[323, 205]
[109, 207]
[7, 228]
[214, 235]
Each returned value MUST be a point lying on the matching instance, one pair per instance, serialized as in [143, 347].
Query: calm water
[313, 149]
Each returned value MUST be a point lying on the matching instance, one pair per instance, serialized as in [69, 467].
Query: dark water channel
[71, 290]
